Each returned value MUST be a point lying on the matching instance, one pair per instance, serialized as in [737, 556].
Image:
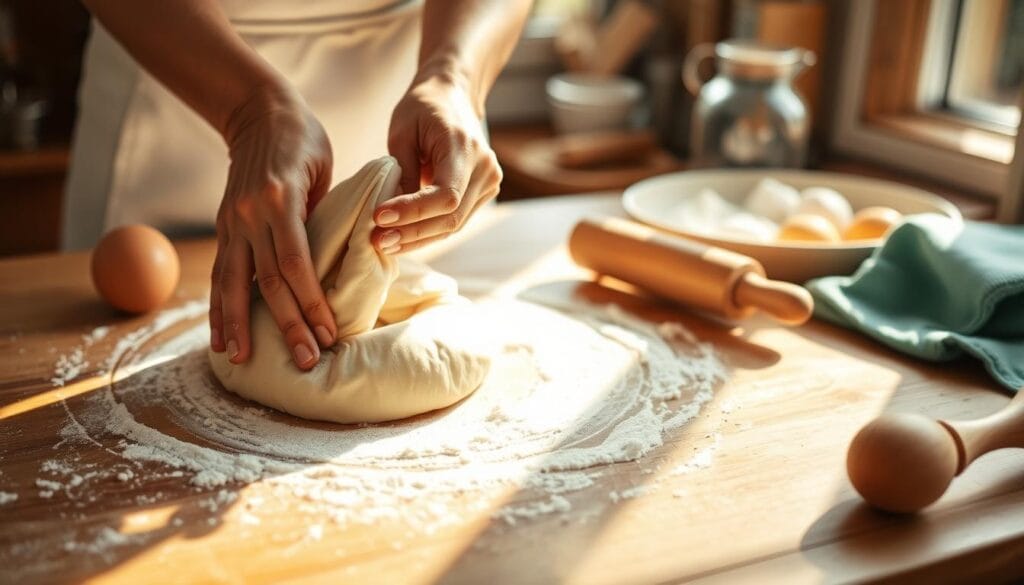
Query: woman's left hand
[448, 169]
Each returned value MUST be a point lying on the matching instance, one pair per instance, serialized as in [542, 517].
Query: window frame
[854, 133]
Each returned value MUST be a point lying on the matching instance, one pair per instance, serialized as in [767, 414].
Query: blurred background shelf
[509, 140]
[47, 160]
[31, 197]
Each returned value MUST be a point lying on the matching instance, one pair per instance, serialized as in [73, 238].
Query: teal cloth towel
[938, 290]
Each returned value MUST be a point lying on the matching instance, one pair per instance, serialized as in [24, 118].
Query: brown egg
[872, 223]
[902, 462]
[807, 227]
[135, 268]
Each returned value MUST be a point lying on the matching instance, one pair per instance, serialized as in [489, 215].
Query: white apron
[141, 156]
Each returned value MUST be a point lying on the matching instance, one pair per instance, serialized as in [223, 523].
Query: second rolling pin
[686, 271]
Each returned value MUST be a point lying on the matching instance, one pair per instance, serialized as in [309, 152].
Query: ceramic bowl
[590, 103]
[650, 201]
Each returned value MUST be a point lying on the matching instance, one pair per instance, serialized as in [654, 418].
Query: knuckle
[244, 207]
[314, 307]
[291, 264]
[476, 145]
[270, 283]
[450, 198]
[491, 162]
[289, 326]
[452, 222]
[493, 191]
[273, 195]
[413, 233]
[396, 139]
[418, 207]
[460, 139]
[230, 283]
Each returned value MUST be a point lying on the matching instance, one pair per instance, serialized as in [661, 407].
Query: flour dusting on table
[574, 390]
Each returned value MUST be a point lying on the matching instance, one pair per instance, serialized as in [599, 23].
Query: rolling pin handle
[784, 301]
[1001, 430]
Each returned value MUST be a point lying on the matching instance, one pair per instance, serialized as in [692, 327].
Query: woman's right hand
[280, 167]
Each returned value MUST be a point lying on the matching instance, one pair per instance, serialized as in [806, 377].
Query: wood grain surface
[774, 505]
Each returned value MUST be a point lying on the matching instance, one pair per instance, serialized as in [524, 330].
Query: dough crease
[408, 343]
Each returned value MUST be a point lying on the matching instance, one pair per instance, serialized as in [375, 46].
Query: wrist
[263, 99]
[449, 71]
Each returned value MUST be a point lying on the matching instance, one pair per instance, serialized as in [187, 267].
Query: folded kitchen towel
[938, 289]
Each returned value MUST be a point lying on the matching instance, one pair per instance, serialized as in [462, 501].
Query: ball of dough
[772, 199]
[808, 228]
[827, 203]
[407, 343]
[872, 223]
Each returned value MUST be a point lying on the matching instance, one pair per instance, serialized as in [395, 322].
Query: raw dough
[429, 348]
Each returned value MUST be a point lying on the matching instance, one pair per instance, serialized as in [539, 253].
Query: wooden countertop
[773, 505]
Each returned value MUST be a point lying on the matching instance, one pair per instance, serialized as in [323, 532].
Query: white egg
[701, 212]
[748, 226]
[827, 203]
[772, 199]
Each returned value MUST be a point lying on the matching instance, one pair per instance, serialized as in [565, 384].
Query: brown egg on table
[807, 227]
[135, 268]
[872, 223]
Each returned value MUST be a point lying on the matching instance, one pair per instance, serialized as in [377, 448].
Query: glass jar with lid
[749, 114]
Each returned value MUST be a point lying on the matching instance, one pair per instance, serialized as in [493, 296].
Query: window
[986, 69]
[934, 87]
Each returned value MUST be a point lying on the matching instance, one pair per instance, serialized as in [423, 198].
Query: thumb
[405, 152]
[321, 184]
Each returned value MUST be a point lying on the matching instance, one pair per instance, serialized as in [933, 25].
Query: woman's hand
[280, 167]
[448, 170]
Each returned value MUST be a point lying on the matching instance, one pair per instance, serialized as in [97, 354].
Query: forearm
[190, 46]
[469, 41]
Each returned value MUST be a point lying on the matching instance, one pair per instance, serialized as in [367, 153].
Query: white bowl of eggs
[798, 224]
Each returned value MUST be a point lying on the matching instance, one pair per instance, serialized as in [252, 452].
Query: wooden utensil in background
[686, 271]
[579, 163]
[607, 48]
[905, 462]
[580, 151]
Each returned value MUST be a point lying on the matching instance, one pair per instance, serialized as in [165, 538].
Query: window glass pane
[988, 60]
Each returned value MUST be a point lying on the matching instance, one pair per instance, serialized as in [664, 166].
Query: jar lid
[757, 60]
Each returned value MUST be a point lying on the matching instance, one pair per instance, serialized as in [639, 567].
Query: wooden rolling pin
[686, 271]
[904, 462]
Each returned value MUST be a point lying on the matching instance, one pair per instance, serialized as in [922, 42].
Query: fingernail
[232, 349]
[216, 341]
[302, 354]
[389, 239]
[324, 336]
[388, 216]
[391, 250]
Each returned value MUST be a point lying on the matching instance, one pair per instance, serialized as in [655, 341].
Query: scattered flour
[69, 366]
[701, 459]
[575, 389]
[630, 493]
[512, 514]
[74, 363]
[7, 498]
